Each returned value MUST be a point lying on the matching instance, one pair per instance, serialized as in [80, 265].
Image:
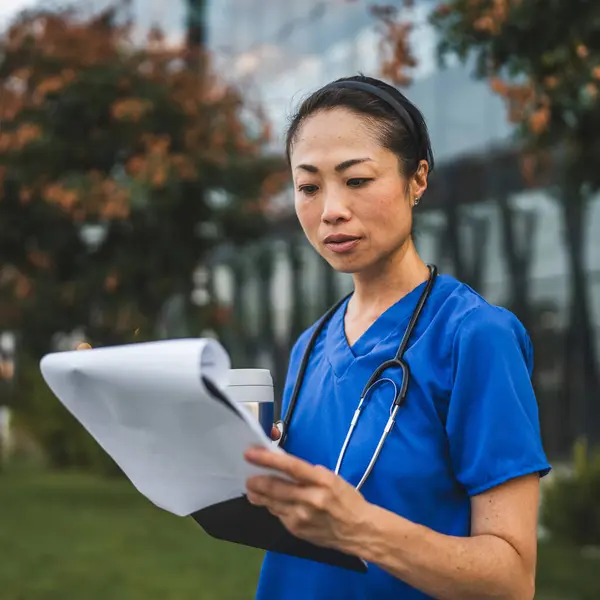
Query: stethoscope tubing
[374, 381]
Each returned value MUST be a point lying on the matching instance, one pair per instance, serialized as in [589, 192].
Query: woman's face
[354, 205]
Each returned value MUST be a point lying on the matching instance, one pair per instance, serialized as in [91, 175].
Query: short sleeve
[493, 420]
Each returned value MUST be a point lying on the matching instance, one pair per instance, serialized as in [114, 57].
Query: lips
[341, 242]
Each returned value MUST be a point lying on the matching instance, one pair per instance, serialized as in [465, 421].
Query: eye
[308, 189]
[357, 182]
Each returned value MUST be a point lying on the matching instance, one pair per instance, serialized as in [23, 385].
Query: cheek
[389, 218]
[386, 211]
[309, 215]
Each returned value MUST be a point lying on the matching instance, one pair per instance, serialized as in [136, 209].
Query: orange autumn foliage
[124, 141]
[25, 195]
[66, 38]
[130, 108]
[526, 103]
[543, 62]
[56, 193]
[63, 48]
[275, 183]
[396, 57]
[97, 197]
[17, 140]
[545, 83]
[592, 90]
[582, 51]
[39, 259]
[13, 278]
[486, 17]
[111, 282]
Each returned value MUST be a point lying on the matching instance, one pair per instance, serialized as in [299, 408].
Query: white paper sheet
[146, 405]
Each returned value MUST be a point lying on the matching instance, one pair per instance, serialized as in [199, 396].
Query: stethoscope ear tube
[284, 424]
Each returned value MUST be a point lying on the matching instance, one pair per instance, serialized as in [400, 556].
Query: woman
[449, 509]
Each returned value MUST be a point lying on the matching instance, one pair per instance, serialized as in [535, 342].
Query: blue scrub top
[469, 423]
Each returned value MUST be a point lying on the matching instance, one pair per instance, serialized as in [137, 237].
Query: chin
[346, 264]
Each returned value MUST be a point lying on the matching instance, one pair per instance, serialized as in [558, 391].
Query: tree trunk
[196, 23]
[467, 254]
[330, 293]
[298, 320]
[518, 255]
[196, 35]
[265, 273]
[268, 342]
[241, 344]
[454, 241]
[581, 379]
[479, 236]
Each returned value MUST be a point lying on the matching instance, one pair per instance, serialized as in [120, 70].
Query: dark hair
[399, 123]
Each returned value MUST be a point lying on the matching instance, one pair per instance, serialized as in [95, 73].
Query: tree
[122, 166]
[142, 146]
[543, 58]
[395, 53]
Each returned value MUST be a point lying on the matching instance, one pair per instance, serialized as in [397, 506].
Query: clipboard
[238, 521]
[161, 411]
[241, 522]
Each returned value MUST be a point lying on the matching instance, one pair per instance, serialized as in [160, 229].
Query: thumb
[84, 346]
[275, 433]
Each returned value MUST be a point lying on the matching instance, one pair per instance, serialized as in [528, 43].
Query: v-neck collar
[339, 352]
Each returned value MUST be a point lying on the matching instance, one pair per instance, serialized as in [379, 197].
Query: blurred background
[144, 195]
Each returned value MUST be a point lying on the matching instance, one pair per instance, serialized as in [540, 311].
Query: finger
[274, 488]
[296, 468]
[275, 433]
[279, 509]
[84, 346]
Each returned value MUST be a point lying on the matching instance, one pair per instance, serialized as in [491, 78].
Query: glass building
[278, 52]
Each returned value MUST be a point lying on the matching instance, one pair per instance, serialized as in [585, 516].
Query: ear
[418, 183]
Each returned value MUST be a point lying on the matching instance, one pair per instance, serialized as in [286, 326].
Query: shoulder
[488, 324]
[466, 313]
[479, 326]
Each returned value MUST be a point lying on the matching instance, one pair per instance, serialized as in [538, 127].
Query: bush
[571, 502]
[63, 440]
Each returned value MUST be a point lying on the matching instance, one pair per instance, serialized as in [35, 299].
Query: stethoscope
[375, 380]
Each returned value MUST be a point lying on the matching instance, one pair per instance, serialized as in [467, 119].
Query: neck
[383, 285]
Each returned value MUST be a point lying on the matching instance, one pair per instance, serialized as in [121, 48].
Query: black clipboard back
[241, 522]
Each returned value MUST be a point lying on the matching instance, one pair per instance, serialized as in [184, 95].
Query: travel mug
[254, 389]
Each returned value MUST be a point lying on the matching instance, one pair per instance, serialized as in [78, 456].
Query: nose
[335, 208]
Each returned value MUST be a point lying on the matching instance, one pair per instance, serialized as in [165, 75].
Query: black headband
[391, 101]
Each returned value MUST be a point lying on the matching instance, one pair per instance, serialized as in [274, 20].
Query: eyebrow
[346, 164]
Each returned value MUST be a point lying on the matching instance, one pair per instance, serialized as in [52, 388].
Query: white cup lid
[244, 377]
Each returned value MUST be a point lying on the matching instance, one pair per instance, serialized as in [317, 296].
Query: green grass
[564, 574]
[73, 537]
